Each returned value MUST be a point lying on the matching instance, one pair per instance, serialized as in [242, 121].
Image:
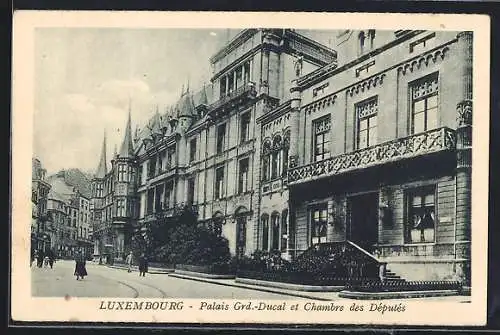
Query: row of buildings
[60, 215]
[294, 143]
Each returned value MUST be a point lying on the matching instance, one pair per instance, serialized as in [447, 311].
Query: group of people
[44, 259]
[143, 263]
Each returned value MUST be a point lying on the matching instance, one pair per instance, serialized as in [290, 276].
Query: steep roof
[102, 168]
[127, 148]
[186, 105]
[72, 178]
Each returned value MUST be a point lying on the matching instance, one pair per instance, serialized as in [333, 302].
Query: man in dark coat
[143, 265]
[40, 258]
[80, 270]
[52, 257]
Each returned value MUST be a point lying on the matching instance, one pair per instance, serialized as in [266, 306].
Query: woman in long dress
[80, 270]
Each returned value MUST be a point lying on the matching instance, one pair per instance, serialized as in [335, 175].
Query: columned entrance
[362, 216]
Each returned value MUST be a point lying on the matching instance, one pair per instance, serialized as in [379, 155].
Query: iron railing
[247, 88]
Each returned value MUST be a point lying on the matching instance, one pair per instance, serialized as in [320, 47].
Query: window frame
[220, 144]
[427, 80]
[320, 208]
[245, 121]
[219, 184]
[193, 152]
[370, 116]
[243, 175]
[325, 134]
[422, 192]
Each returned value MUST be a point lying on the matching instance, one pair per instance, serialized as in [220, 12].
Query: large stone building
[294, 144]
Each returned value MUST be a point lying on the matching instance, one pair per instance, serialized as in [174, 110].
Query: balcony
[247, 91]
[436, 140]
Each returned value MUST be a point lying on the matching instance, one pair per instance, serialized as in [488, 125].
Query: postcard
[250, 168]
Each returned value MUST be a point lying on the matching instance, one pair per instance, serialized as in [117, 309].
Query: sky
[86, 79]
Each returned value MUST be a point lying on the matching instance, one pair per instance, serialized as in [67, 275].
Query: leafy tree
[179, 239]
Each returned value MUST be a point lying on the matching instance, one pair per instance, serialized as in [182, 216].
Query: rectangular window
[221, 137]
[162, 161]
[168, 194]
[424, 103]
[171, 157]
[190, 197]
[245, 127]
[222, 87]
[150, 203]
[159, 198]
[192, 150]
[366, 115]
[120, 208]
[246, 71]
[122, 172]
[421, 215]
[318, 217]
[219, 183]
[243, 176]
[321, 131]
[152, 167]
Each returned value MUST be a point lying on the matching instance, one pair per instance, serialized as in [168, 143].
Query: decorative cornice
[320, 104]
[276, 112]
[366, 84]
[425, 59]
[233, 44]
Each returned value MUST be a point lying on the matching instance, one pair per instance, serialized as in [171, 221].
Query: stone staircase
[393, 277]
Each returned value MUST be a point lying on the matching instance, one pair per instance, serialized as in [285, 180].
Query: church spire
[127, 149]
[102, 169]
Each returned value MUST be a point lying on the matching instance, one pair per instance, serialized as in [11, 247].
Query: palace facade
[294, 144]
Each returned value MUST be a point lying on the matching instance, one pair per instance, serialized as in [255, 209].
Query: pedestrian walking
[80, 270]
[129, 261]
[52, 256]
[40, 258]
[143, 265]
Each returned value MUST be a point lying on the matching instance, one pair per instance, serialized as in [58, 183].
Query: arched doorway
[240, 216]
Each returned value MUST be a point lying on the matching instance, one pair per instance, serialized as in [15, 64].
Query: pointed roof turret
[102, 169]
[203, 96]
[115, 152]
[127, 148]
[186, 106]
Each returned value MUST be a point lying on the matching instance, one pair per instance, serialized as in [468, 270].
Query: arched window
[286, 147]
[266, 153]
[275, 231]
[264, 220]
[276, 157]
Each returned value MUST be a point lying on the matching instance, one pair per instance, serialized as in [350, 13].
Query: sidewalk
[323, 296]
[136, 269]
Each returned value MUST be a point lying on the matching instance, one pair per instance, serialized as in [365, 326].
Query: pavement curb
[249, 287]
[397, 295]
[288, 286]
[203, 275]
[150, 270]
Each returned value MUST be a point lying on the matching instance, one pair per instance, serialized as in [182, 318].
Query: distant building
[69, 209]
[40, 226]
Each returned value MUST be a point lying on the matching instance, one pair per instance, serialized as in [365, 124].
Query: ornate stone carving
[320, 104]
[367, 84]
[464, 113]
[416, 145]
[293, 161]
[423, 60]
